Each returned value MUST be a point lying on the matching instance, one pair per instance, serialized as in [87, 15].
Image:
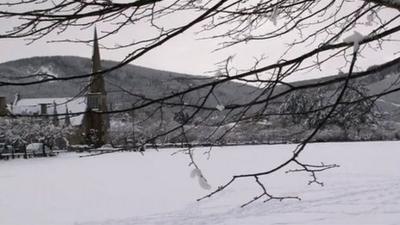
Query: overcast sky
[183, 54]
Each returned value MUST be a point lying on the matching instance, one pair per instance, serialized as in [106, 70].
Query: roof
[31, 106]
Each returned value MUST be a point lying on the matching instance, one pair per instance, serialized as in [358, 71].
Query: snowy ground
[131, 189]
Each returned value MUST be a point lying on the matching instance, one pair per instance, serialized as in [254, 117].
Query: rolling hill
[121, 84]
[124, 85]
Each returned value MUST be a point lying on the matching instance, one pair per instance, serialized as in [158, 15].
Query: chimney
[55, 117]
[67, 121]
[43, 109]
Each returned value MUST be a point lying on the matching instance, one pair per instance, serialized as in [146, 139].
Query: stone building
[86, 113]
[96, 120]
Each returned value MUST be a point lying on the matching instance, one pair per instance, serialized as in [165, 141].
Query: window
[43, 109]
[94, 101]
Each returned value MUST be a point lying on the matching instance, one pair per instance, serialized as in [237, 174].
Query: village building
[73, 107]
[86, 113]
[96, 120]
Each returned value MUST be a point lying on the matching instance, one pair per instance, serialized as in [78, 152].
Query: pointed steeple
[96, 101]
[96, 66]
[97, 81]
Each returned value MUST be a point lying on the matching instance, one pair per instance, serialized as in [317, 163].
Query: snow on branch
[355, 38]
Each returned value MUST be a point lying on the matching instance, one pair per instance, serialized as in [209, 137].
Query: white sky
[183, 54]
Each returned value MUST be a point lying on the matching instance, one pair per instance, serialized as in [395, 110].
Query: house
[73, 107]
[86, 113]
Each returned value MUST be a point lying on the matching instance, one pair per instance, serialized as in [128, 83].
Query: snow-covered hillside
[128, 188]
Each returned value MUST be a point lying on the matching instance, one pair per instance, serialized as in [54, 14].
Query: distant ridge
[130, 78]
[128, 84]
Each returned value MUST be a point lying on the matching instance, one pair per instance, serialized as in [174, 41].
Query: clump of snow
[370, 19]
[46, 72]
[355, 38]
[220, 107]
[274, 15]
[196, 173]
[203, 183]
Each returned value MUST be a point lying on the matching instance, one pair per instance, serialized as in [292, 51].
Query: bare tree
[316, 34]
[300, 107]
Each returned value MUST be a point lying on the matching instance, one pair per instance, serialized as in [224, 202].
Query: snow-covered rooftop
[31, 106]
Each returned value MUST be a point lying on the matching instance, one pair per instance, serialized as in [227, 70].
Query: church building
[96, 120]
[87, 113]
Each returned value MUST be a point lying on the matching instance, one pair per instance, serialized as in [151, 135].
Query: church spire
[96, 124]
[96, 66]
[97, 82]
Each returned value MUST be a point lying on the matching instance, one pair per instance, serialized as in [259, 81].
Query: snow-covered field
[131, 189]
